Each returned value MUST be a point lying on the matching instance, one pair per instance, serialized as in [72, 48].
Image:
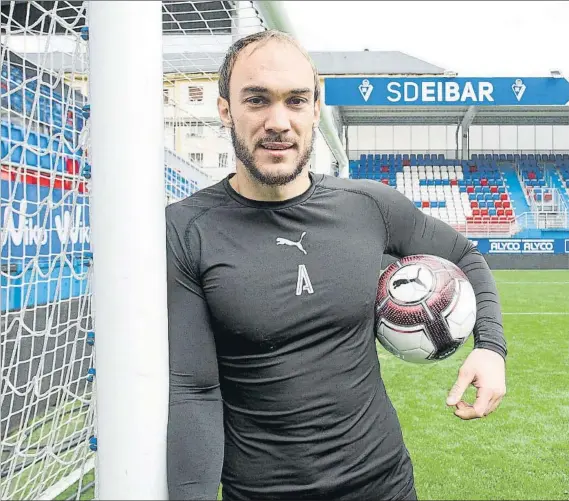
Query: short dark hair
[262, 36]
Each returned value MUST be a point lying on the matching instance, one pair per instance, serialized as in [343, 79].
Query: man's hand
[486, 371]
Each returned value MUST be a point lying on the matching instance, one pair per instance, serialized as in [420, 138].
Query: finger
[465, 411]
[494, 404]
[481, 408]
[455, 394]
[484, 397]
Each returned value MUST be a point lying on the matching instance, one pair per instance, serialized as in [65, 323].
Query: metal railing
[489, 229]
[548, 207]
[525, 221]
[451, 154]
[543, 220]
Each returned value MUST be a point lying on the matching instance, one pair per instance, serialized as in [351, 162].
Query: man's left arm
[410, 231]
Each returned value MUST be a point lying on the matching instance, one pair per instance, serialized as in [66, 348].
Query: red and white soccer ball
[425, 309]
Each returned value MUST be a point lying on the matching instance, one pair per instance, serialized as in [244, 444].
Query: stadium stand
[43, 164]
[538, 173]
[468, 195]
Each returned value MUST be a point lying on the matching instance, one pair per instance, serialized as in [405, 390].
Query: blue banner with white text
[522, 245]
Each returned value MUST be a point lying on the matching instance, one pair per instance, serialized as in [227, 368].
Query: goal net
[48, 340]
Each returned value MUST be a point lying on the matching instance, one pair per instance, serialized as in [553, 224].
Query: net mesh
[47, 341]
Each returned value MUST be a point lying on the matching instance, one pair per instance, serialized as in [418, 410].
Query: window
[197, 158]
[195, 94]
[222, 160]
[196, 129]
[166, 96]
[169, 138]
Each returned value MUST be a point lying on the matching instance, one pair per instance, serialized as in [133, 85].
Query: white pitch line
[531, 283]
[537, 313]
[559, 270]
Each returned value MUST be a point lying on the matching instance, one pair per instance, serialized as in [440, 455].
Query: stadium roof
[327, 63]
[179, 58]
[450, 115]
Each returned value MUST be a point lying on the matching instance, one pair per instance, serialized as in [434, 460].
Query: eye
[297, 101]
[256, 101]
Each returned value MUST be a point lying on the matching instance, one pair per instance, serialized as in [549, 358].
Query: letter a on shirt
[303, 282]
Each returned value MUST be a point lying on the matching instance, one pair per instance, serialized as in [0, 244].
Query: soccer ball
[425, 309]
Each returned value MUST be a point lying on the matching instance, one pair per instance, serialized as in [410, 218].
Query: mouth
[277, 146]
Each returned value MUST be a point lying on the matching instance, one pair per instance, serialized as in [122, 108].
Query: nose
[277, 119]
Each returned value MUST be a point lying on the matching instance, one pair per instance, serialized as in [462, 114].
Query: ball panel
[413, 283]
[461, 315]
[387, 345]
[427, 345]
[401, 315]
[416, 356]
[404, 338]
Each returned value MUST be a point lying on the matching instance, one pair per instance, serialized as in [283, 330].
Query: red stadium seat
[504, 196]
[470, 189]
[473, 204]
[484, 182]
[501, 212]
[454, 182]
[476, 212]
[509, 212]
[506, 205]
[493, 189]
[498, 204]
[484, 212]
[385, 181]
[385, 168]
[425, 204]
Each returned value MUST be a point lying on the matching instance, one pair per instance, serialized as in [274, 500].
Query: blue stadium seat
[4, 141]
[16, 143]
[31, 158]
[17, 74]
[16, 101]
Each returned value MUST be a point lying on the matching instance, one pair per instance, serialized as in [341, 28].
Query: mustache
[275, 139]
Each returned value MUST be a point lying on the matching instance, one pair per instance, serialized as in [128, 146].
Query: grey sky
[490, 38]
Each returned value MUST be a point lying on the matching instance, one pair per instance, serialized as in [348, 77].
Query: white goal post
[107, 116]
[128, 232]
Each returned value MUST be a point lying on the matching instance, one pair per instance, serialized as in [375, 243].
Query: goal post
[128, 237]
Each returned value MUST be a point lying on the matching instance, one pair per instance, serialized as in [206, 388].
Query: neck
[244, 184]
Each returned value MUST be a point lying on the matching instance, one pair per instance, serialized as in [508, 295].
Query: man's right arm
[195, 424]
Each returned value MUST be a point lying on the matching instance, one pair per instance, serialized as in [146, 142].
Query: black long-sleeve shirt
[275, 381]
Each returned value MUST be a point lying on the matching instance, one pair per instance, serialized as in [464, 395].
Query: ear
[224, 113]
[317, 110]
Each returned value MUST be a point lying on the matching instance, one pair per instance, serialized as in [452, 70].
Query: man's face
[272, 112]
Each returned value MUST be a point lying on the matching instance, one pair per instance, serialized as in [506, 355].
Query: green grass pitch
[521, 451]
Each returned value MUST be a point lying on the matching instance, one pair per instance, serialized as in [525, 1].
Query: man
[272, 277]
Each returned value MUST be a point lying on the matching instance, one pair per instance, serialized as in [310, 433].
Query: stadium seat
[465, 192]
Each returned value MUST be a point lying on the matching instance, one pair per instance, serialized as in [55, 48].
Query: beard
[248, 160]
